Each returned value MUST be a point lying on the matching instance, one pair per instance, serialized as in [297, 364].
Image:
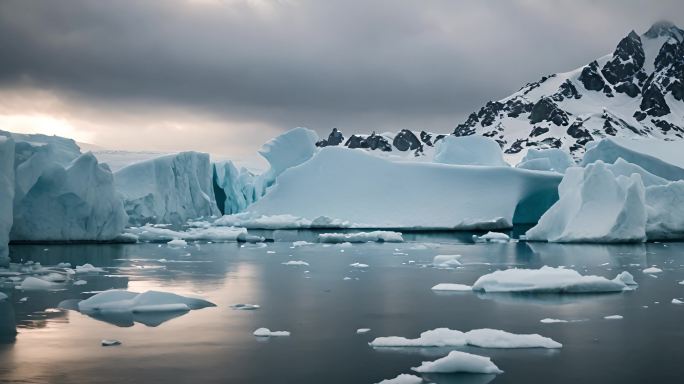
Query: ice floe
[457, 361]
[265, 332]
[492, 237]
[548, 280]
[295, 263]
[484, 338]
[404, 378]
[452, 287]
[361, 237]
[652, 270]
[446, 261]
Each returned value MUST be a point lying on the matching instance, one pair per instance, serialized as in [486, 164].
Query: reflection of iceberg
[124, 308]
[458, 378]
[589, 254]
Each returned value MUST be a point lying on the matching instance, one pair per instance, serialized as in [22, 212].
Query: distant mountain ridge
[638, 90]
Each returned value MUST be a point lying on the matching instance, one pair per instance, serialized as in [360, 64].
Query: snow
[659, 157]
[493, 237]
[361, 237]
[433, 195]
[6, 195]
[296, 263]
[117, 301]
[403, 379]
[595, 206]
[484, 338]
[446, 261]
[469, 150]
[88, 268]
[652, 270]
[214, 234]
[613, 317]
[552, 159]
[168, 189]
[177, 243]
[363, 330]
[546, 280]
[71, 203]
[265, 332]
[452, 287]
[457, 361]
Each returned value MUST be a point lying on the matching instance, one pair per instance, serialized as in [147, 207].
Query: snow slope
[369, 191]
[169, 189]
[6, 195]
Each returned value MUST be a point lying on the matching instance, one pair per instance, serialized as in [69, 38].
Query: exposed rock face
[335, 138]
[405, 140]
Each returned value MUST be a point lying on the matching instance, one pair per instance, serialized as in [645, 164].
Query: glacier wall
[6, 195]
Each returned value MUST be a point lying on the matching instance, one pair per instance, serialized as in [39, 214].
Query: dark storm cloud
[362, 65]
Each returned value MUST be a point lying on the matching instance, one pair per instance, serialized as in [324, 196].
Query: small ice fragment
[457, 361]
[652, 270]
[403, 379]
[452, 287]
[245, 307]
[296, 263]
[80, 282]
[676, 301]
[446, 261]
[613, 317]
[265, 332]
[178, 243]
[551, 321]
[88, 268]
[358, 265]
[110, 342]
[347, 278]
[363, 330]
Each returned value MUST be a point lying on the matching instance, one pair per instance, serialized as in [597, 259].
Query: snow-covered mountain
[638, 90]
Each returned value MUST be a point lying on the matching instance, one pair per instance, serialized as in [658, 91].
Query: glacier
[361, 190]
[469, 150]
[169, 189]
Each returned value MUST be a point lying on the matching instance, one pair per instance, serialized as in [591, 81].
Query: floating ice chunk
[452, 287]
[613, 317]
[363, 330]
[446, 261]
[114, 301]
[301, 243]
[265, 332]
[358, 265]
[35, 284]
[469, 150]
[493, 237]
[245, 307]
[652, 270]
[457, 361]
[551, 321]
[214, 234]
[347, 278]
[177, 243]
[545, 280]
[626, 278]
[88, 268]
[403, 379]
[110, 342]
[80, 282]
[485, 338]
[677, 301]
[296, 263]
[361, 237]
[681, 282]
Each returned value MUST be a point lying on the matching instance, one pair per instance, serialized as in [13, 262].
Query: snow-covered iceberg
[551, 159]
[550, 280]
[469, 150]
[595, 205]
[355, 187]
[169, 189]
[457, 361]
[659, 157]
[483, 338]
[6, 195]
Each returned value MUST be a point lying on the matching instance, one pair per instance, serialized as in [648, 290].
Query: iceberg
[403, 379]
[75, 203]
[359, 188]
[361, 237]
[469, 150]
[169, 189]
[595, 205]
[659, 157]
[234, 188]
[6, 195]
[457, 361]
[492, 237]
[551, 159]
[483, 338]
[549, 280]
[150, 301]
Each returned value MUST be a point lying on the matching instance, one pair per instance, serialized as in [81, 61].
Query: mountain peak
[665, 28]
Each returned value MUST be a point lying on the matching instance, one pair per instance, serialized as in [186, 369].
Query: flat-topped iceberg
[168, 189]
[361, 237]
[457, 361]
[549, 280]
[355, 187]
[483, 338]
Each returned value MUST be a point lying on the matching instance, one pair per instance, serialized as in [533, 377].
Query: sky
[224, 76]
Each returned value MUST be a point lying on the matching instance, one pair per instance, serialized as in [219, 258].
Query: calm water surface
[323, 311]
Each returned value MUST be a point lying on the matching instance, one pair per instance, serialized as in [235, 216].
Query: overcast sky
[223, 76]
